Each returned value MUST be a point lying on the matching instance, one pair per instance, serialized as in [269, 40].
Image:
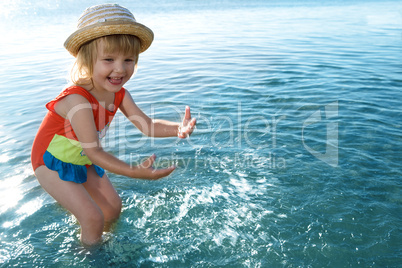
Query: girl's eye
[129, 60]
[109, 60]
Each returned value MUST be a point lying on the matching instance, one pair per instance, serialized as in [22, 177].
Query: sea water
[295, 161]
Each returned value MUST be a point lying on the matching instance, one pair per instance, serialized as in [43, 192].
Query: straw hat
[107, 19]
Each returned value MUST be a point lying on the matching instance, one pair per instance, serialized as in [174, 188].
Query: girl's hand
[148, 172]
[187, 126]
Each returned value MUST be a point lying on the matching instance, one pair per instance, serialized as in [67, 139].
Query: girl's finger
[187, 114]
[193, 122]
[160, 173]
[149, 162]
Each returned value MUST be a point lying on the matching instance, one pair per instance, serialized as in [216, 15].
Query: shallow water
[295, 160]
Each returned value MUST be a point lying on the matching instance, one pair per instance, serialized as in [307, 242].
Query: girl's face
[112, 70]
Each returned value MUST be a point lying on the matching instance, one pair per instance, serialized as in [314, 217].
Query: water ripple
[266, 80]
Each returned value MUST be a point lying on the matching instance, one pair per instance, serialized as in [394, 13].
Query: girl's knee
[114, 209]
[92, 225]
[93, 220]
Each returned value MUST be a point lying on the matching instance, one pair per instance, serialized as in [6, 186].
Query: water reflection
[246, 192]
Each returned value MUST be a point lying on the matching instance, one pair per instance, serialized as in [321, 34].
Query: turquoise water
[296, 159]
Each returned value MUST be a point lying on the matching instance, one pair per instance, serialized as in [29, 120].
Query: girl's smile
[112, 70]
[115, 81]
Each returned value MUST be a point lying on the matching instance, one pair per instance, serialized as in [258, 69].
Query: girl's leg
[103, 193]
[75, 198]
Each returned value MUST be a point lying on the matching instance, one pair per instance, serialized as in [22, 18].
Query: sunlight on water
[295, 160]
[11, 193]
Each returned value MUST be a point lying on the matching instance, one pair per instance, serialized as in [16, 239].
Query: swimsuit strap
[85, 93]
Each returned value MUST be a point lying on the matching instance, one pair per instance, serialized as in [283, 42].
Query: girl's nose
[119, 68]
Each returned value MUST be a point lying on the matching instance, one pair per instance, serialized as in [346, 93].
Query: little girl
[67, 156]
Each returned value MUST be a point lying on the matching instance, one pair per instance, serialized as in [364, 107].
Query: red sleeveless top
[56, 144]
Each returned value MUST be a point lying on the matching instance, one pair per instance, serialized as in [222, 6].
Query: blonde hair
[82, 70]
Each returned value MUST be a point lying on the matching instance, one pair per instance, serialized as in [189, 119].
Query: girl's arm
[77, 109]
[156, 127]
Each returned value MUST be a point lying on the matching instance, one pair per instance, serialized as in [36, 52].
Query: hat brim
[91, 32]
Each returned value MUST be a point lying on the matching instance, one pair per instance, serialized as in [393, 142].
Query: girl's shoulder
[70, 91]
[74, 89]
